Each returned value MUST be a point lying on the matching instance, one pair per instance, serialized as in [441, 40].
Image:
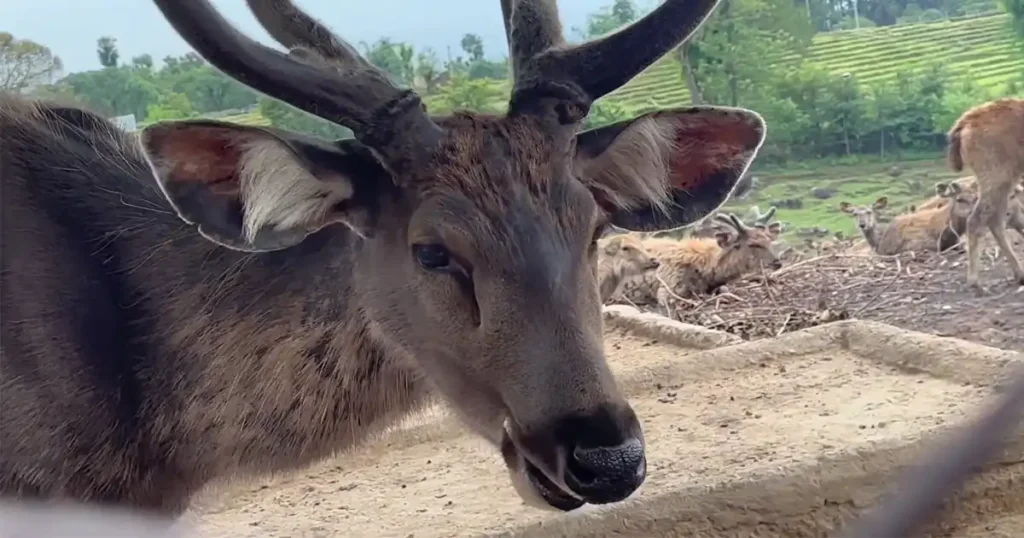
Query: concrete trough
[786, 437]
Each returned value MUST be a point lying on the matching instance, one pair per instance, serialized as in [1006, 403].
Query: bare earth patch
[923, 292]
[785, 437]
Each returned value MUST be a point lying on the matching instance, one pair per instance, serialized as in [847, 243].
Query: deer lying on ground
[935, 229]
[969, 188]
[694, 267]
[210, 299]
[619, 257]
[989, 139]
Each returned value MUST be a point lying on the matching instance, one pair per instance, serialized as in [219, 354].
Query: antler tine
[925, 486]
[740, 227]
[357, 95]
[292, 27]
[532, 27]
[584, 73]
[763, 219]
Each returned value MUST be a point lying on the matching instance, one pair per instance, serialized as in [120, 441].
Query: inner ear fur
[252, 189]
[668, 169]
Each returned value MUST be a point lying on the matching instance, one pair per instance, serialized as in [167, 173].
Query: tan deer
[699, 266]
[932, 229]
[212, 299]
[620, 257]
[968, 193]
[989, 139]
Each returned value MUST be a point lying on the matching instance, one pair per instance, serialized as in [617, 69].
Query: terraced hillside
[980, 47]
[249, 118]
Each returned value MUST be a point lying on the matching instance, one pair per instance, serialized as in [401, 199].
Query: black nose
[655, 264]
[606, 474]
[605, 459]
[777, 264]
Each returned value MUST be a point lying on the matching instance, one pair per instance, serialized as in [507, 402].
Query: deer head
[473, 237]
[867, 217]
[747, 247]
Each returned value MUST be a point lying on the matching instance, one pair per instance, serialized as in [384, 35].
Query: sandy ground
[718, 424]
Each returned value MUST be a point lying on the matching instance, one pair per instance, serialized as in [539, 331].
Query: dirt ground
[708, 424]
[923, 292]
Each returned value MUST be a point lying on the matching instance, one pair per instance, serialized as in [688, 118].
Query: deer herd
[205, 299]
[987, 138]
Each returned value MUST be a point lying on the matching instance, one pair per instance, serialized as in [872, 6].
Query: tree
[724, 63]
[114, 91]
[427, 69]
[474, 47]
[285, 116]
[143, 61]
[206, 88]
[605, 113]
[170, 106]
[463, 93]
[106, 49]
[609, 18]
[1016, 10]
[396, 59]
[25, 64]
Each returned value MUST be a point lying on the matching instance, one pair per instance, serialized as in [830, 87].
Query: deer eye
[432, 257]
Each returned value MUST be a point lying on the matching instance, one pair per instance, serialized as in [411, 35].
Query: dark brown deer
[270, 299]
[989, 139]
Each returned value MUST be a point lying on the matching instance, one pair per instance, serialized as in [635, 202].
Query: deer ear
[882, 202]
[611, 246]
[775, 229]
[845, 207]
[668, 169]
[723, 238]
[249, 189]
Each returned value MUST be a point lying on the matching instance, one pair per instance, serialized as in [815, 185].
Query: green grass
[859, 184]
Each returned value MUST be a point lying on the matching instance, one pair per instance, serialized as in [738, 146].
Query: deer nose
[605, 462]
[777, 264]
[654, 264]
[607, 474]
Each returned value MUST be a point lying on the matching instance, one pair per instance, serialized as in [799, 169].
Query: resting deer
[989, 139]
[968, 192]
[619, 257]
[218, 299]
[935, 229]
[699, 266]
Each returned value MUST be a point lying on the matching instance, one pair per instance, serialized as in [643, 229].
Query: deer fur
[207, 300]
[698, 266]
[989, 139]
[935, 229]
[619, 257]
[969, 186]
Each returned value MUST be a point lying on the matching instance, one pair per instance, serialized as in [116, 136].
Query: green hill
[981, 47]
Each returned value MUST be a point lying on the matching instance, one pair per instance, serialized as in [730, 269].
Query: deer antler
[388, 119]
[292, 27]
[544, 66]
[762, 219]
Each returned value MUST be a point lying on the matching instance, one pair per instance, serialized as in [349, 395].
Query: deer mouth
[531, 483]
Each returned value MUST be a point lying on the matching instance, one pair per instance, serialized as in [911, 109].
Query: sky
[70, 27]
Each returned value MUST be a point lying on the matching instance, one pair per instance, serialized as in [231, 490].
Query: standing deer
[989, 139]
[213, 299]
